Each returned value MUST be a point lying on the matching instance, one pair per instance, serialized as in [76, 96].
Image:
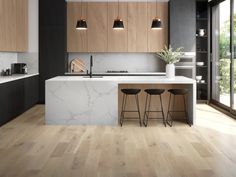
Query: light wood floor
[28, 148]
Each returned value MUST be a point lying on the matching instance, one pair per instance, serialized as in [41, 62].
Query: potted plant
[171, 57]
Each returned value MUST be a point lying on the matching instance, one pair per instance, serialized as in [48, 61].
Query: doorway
[223, 43]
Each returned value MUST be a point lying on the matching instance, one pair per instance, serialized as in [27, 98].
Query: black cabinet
[52, 41]
[31, 92]
[202, 52]
[182, 24]
[17, 97]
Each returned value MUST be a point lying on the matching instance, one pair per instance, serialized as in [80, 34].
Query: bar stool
[177, 92]
[126, 93]
[150, 93]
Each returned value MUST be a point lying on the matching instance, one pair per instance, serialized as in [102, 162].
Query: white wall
[6, 59]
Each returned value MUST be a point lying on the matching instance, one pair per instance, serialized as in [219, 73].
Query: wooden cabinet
[14, 25]
[137, 35]
[22, 25]
[97, 26]
[76, 39]
[7, 25]
[157, 39]
[117, 39]
[137, 30]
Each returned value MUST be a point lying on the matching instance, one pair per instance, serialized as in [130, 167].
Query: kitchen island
[78, 100]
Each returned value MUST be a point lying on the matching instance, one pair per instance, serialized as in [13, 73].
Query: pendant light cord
[156, 8]
[81, 11]
[118, 9]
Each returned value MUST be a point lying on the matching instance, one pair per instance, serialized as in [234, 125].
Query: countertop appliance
[19, 68]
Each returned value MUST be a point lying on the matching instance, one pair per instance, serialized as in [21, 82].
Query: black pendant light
[118, 23]
[156, 22]
[81, 23]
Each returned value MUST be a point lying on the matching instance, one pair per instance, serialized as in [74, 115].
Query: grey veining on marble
[6, 59]
[73, 103]
[132, 62]
[74, 100]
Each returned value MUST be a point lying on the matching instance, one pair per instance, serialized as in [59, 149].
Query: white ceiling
[117, 0]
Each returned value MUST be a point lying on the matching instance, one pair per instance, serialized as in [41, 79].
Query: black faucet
[91, 67]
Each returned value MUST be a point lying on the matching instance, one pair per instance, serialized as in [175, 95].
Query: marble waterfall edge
[76, 103]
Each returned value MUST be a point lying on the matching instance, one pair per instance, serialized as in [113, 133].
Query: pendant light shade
[156, 23]
[118, 24]
[81, 24]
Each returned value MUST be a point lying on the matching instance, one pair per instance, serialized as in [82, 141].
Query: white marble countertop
[5, 79]
[127, 79]
[76, 100]
[122, 74]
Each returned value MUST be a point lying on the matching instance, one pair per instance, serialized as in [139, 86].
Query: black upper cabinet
[52, 12]
[182, 24]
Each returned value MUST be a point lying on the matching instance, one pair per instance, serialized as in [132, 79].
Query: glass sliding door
[234, 59]
[221, 55]
[224, 55]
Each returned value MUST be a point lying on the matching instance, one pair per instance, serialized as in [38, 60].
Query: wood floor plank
[28, 147]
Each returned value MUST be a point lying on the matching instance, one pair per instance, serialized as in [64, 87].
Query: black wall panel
[52, 12]
[183, 24]
[52, 41]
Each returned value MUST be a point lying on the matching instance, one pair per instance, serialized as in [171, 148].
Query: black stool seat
[154, 91]
[173, 93]
[131, 91]
[178, 91]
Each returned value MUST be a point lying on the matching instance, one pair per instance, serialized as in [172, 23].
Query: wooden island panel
[155, 103]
